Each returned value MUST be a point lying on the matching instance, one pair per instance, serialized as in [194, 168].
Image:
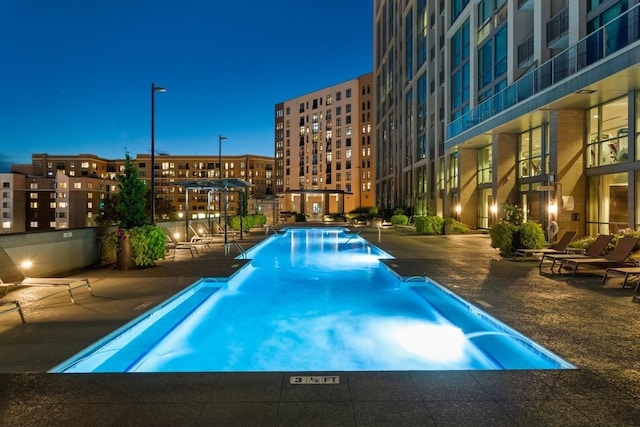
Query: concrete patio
[594, 326]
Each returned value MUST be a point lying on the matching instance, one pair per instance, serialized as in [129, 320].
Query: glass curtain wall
[485, 192]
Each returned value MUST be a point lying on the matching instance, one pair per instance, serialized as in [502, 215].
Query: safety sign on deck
[311, 379]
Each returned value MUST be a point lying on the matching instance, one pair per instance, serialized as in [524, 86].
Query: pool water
[313, 299]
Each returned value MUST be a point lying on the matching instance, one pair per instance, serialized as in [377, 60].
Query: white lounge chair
[15, 306]
[70, 283]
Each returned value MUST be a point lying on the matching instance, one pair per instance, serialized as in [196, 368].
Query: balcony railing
[525, 52]
[602, 43]
[558, 29]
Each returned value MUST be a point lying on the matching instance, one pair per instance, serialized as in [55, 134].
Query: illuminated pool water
[313, 299]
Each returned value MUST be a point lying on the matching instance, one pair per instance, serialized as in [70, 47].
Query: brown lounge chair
[558, 248]
[595, 250]
[618, 255]
[627, 272]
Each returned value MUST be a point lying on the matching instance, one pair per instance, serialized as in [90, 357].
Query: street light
[154, 89]
[220, 139]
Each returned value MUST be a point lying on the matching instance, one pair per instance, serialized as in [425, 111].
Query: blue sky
[76, 75]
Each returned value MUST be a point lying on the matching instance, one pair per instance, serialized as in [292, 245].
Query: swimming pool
[313, 299]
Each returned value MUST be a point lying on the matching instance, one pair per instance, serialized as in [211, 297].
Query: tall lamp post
[220, 139]
[154, 89]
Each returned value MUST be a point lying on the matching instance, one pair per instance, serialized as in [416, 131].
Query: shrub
[530, 236]
[399, 219]
[259, 220]
[455, 225]
[429, 224]
[502, 237]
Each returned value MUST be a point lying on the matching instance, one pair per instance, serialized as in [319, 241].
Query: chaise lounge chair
[627, 272]
[618, 255]
[558, 248]
[15, 306]
[70, 283]
[595, 250]
[174, 245]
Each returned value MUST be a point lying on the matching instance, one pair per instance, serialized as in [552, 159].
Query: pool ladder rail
[234, 243]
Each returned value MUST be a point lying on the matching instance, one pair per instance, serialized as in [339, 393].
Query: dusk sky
[76, 75]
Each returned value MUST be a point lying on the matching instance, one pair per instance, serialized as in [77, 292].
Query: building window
[33, 195]
[77, 185]
[608, 130]
[348, 93]
[33, 186]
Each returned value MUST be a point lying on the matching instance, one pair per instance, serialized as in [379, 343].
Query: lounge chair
[618, 255]
[174, 245]
[595, 250]
[203, 237]
[15, 306]
[70, 283]
[626, 272]
[558, 248]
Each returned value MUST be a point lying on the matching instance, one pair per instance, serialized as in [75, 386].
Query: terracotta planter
[125, 257]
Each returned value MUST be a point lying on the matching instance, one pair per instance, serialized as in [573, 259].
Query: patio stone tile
[474, 413]
[392, 414]
[161, 414]
[585, 384]
[382, 386]
[233, 414]
[28, 414]
[610, 412]
[310, 414]
[181, 387]
[256, 387]
[443, 386]
[545, 412]
[516, 385]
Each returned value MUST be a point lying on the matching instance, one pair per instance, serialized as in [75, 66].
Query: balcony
[589, 51]
[525, 53]
[558, 30]
[525, 4]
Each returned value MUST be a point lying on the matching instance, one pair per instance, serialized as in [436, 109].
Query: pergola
[222, 185]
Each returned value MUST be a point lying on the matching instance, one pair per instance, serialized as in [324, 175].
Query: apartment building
[172, 170]
[68, 191]
[324, 150]
[530, 102]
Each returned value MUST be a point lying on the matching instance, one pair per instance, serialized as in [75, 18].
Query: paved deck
[594, 326]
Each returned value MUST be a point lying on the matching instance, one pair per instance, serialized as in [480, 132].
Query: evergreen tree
[131, 198]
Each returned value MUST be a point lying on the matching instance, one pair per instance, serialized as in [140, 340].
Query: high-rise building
[324, 150]
[529, 102]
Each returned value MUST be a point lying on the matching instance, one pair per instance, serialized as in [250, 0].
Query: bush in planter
[502, 237]
[455, 226]
[429, 224]
[148, 242]
[259, 220]
[530, 236]
[399, 219]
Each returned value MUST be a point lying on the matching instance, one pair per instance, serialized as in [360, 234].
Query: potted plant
[137, 243]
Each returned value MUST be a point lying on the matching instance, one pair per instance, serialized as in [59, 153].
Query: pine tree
[131, 198]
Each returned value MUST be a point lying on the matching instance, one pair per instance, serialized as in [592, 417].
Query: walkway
[591, 325]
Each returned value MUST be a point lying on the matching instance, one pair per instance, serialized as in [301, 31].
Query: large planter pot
[125, 256]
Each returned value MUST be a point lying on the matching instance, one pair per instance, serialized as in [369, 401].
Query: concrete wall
[56, 253]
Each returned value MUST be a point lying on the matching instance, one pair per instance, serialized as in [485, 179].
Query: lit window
[6, 224]
[33, 224]
[62, 185]
[52, 224]
[77, 185]
[33, 186]
[52, 205]
[33, 195]
[89, 205]
[62, 205]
